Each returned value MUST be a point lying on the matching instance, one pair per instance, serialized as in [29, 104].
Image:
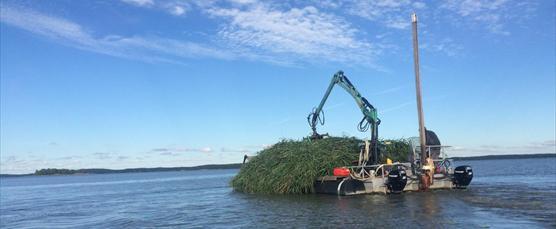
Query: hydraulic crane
[370, 118]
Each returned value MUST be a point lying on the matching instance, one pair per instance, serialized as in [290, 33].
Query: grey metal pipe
[422, 136]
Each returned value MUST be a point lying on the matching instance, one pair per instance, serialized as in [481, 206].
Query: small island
[56, 172]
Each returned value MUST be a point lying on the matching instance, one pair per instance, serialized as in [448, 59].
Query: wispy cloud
[397, 107]
[305, 34]
[65, 32]
[140, 2]
[493, 15]
[390, 13]
[168, 151]
[445, 46]
[257, 32]
[67, 158]
[175, 7]
[160, 149]
[103, 156]
[235, 150]
[203, 150]
[177, 10]
[285, 33]
[122, 158]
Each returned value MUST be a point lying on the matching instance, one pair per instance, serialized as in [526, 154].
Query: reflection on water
[503, 193]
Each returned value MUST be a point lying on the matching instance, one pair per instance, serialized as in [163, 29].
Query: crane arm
[370, 118]
[368, 110]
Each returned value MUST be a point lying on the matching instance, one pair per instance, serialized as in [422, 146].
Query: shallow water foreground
[504, 193]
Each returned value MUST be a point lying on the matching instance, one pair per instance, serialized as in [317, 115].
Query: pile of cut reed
[292, 166]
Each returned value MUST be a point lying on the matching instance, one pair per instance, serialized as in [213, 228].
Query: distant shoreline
[62, 172]
[507, 156]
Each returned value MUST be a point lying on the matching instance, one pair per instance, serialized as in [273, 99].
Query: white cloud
[397, 23]
[140, 2]
[103, 156]
[168, 153]
[235, 150]
[47, 26]
[174, 7]
[470, 7]
[419, 5]
[173, 150]
[397, 107]
[177, 10]
[494, 15]
[206, 150]
[243, 1]
[390, 13]
[282, 33]
[445, 46]
[295, 33]
[135, 47]
[256, 33]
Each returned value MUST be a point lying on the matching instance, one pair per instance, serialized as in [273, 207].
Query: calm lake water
[504, 193]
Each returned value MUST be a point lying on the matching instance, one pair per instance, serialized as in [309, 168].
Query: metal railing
[416, 150]
[369, 171]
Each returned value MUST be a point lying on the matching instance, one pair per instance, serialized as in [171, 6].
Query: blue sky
[147, 83]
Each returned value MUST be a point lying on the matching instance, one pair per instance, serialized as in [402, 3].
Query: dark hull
[339, 186]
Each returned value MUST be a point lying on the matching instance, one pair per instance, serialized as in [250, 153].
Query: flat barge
[396, 177]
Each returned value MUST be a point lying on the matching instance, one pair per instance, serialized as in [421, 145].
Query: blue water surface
[504, 193]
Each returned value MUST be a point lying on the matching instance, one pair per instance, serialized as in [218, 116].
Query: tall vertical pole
[422, 135]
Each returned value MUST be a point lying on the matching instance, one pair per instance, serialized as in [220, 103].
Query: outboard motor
[462, 176]
[397, 179]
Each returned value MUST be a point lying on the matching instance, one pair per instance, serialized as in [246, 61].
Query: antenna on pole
[422, 134]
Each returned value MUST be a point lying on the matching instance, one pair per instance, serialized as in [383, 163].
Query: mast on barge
[422, 134]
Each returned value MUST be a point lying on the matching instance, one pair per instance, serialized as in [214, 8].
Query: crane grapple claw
[316, 136]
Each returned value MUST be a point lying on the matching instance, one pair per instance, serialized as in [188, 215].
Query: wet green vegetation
[292, 166]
